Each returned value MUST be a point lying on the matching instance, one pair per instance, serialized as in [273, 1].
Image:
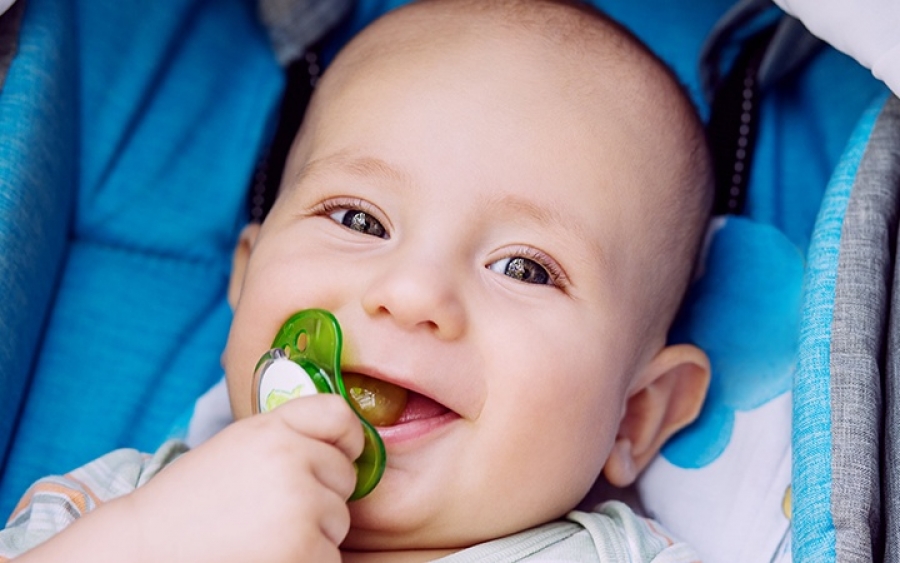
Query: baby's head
[501, 202]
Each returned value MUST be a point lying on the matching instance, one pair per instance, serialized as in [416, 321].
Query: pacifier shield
[305, 360]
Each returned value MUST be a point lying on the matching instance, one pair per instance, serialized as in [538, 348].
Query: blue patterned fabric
[754, 273]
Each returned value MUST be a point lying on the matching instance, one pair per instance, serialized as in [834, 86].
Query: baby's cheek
[239, 381]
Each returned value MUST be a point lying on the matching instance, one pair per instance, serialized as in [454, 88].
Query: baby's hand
[272, 487]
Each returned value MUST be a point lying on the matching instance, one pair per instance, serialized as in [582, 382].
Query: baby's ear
[668, 396]
[239, 262]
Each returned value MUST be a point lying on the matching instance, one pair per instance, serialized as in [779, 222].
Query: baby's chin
[384, 527]
[381, 522]
[375, 528]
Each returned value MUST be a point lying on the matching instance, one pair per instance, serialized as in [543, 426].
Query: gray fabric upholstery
[294, 25]
[860, 354]
[791, 46]
[10, 22]
[891, 465]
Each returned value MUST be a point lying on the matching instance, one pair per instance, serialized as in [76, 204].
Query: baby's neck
[408, 556]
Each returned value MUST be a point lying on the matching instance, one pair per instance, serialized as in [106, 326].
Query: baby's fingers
[333, 516]
[327, 418]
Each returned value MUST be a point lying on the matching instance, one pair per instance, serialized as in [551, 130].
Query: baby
[501, 202]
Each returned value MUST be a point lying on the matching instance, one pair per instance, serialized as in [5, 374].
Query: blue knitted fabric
[135, 128]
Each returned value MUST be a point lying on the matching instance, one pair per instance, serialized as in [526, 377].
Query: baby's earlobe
[620, 469]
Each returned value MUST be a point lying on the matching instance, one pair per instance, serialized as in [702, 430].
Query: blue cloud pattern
[744, 312]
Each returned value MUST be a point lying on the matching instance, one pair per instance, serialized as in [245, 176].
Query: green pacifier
[305, 360]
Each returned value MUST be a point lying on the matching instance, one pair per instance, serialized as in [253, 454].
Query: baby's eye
[522, 269]
[361, 221]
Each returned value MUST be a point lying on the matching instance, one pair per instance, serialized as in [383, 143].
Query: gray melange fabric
[10, 22]
[891, 464]
[294, 25]
[859, 356]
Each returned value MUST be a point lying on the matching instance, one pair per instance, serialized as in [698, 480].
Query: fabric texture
[130, 136]
[813, 435]
[53, 503]
[294, 25]
[10, 20]
[859, 344]
[38, 123]
[864, 29]
[612, 533]
[891, 466]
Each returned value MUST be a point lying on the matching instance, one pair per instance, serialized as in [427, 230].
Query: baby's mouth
[385, 404]
[420, 407]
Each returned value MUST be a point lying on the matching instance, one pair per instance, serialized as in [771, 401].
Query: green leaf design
[279, 397]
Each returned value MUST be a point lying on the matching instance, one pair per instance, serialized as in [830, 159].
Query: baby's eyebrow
[546, 214]
[363, 166]
[540, 213]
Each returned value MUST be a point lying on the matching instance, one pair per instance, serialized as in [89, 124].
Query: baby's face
[468, 219]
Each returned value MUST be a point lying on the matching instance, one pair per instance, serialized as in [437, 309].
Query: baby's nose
[418, 294]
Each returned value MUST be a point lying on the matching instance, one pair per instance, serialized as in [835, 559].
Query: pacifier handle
[305, 360]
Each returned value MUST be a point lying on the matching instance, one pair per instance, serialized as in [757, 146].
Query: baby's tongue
[419, 407]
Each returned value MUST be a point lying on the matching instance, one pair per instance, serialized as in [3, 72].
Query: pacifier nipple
[379, 402]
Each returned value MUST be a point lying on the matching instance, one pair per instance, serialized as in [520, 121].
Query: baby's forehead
[579, 47]
[583, 61]
[559, 26]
